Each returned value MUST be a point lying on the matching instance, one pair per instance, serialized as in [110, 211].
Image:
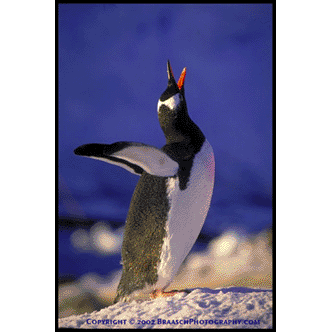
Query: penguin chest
[187, 213]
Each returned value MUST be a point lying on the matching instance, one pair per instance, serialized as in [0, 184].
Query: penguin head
[173, 97]
[172, 107]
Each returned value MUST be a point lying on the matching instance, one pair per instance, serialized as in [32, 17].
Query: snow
[230, 260]
[234, 307]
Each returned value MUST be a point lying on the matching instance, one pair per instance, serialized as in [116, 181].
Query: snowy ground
[234, 307]
[230, 260]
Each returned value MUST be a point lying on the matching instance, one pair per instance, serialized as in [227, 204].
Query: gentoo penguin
[171, 199]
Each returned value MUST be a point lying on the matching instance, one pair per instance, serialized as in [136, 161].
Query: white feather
[187, 214]
[172, 102]
[151, 159]
[126, 167]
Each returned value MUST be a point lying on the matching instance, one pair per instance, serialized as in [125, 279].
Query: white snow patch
[234, 307]
[101, 238]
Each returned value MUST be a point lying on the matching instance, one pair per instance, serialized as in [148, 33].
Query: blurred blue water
[112, 70]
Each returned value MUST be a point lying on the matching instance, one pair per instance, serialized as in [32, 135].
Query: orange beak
[182, 77]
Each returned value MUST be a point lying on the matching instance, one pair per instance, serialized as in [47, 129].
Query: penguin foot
[159, 293]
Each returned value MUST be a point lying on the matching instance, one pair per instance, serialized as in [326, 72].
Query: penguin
[171, 200]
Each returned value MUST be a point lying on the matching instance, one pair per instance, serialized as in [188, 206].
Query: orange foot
[159, 293]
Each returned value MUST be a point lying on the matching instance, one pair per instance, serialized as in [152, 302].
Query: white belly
[187, 214]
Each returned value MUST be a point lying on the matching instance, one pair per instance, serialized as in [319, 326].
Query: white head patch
[172, 102]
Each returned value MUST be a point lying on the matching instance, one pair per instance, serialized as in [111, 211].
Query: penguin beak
[181, 79]
[171, 79]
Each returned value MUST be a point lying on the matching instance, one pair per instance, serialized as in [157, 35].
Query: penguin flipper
[132, 156]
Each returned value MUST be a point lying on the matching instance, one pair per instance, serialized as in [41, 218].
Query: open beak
[171, 78]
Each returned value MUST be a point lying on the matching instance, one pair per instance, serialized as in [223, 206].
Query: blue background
[112, 71]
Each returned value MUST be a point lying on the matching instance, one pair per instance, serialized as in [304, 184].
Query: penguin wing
[132, 156]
